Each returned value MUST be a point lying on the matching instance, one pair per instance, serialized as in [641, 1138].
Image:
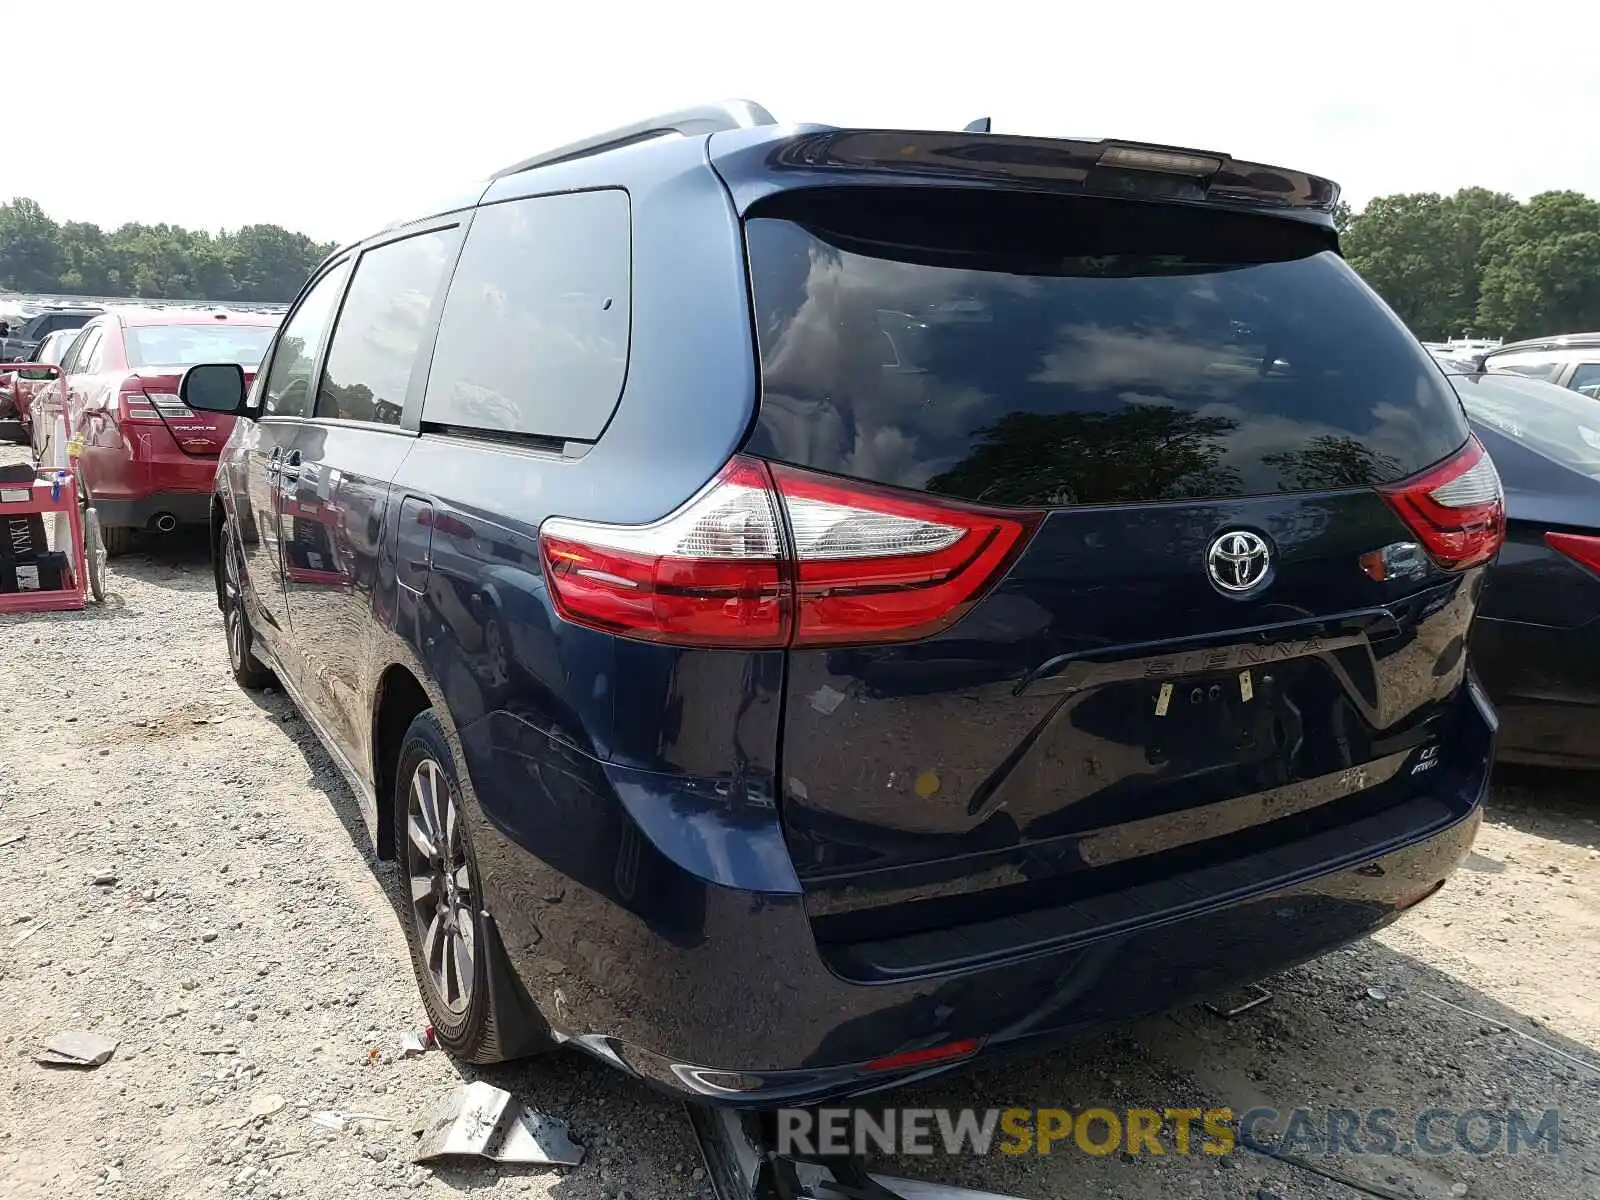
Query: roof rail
[690, 122]
[1555, 341]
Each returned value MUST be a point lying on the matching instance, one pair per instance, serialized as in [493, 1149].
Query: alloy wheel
[443, 895]
[233, 609]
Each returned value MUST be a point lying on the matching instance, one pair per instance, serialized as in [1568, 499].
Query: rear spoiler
[755, 167]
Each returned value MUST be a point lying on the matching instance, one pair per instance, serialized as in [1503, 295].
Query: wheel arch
[398, 699]
[218, 517]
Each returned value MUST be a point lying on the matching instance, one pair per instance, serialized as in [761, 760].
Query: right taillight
[1457, 509]
[768, 556]
[1582, 549]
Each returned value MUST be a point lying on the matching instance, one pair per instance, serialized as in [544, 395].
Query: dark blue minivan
[808, 608]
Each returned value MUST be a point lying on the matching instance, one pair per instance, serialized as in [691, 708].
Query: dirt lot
[237, 904]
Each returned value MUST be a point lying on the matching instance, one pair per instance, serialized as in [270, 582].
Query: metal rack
[54, 491]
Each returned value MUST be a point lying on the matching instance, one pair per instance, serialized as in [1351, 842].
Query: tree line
[1481, 262]
[1477, 262]
[154, 262]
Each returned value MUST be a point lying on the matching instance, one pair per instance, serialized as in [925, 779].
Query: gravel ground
[182, 869]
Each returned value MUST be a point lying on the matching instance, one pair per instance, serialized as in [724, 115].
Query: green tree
[85, 259]
[272, 263]
[1542, 268]
[161, 262]
[30, 258]
[1424, 254]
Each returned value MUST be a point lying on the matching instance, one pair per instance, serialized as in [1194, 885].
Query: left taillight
[1456, 509]
[768, 556]
[706, 575]
[134, 405]
[169, 403]
[875, 564]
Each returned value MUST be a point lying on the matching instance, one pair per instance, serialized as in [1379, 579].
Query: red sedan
[147, 461]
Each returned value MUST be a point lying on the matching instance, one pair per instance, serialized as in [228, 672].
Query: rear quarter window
[1532, 366]
[535, 330]
[1586, 379]
[1048, 351]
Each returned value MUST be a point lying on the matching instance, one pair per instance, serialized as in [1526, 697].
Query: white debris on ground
[182, 873]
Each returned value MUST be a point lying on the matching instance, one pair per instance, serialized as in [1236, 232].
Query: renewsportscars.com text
[1177, 1131]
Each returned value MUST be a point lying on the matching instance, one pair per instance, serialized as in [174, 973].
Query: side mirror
[32, 372]
[214, 387]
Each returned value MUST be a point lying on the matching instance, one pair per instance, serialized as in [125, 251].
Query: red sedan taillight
[767, 556]
[1457, 509]
[133, 404]
[1581, 548]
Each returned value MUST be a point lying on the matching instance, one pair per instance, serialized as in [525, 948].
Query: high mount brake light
[767, 556]
[1457, 509]
[1150, 158]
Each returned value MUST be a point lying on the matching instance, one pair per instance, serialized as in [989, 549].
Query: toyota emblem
[1238, 560]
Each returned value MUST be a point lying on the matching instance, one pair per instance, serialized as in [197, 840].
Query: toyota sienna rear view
[806, 608]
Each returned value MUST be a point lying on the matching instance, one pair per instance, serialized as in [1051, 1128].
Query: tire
[467, 987]
[247, 669]
[118, 539]
[94, 552]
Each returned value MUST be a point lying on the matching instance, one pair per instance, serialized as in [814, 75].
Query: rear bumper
[188, 508]
[139, 476]
[625, 944]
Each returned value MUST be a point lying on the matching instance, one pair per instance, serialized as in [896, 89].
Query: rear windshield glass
[186, 345]
[1046, 351]
[1560, 424]
[54, 348]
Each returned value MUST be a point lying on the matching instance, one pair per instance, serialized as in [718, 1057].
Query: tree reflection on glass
[1329, 462]
[1142, 452]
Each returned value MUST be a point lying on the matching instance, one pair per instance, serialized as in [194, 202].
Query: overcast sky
[318, 117]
